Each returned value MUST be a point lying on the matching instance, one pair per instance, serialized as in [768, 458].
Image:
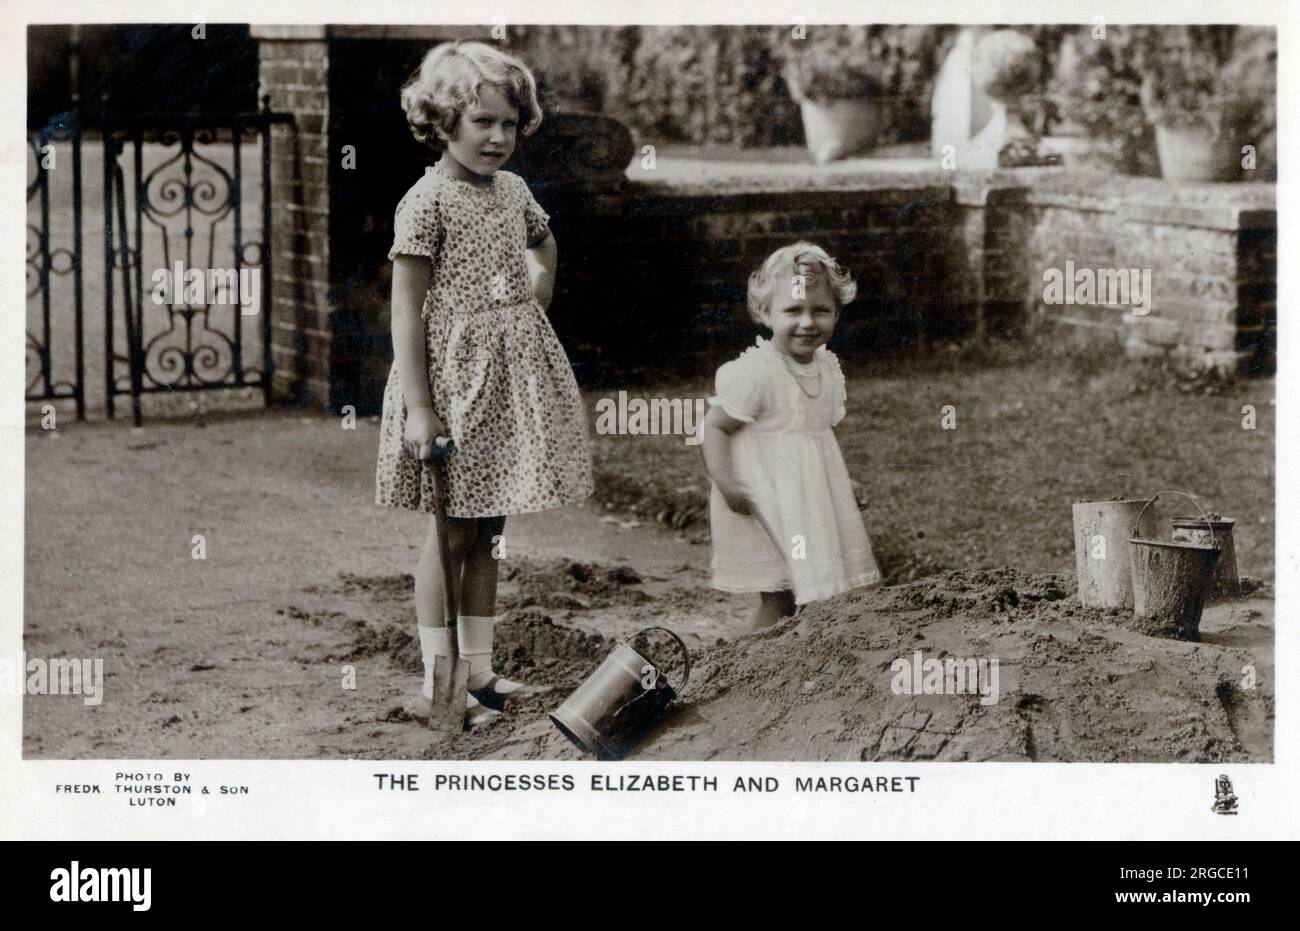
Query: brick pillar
[1007, 289]
[293, 68]
[1212, 261]
[988, 254]
[1215, 283]
[332, 223]
[1257, 290]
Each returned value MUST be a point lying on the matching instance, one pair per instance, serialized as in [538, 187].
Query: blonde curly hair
[449, 81]
[802, 258]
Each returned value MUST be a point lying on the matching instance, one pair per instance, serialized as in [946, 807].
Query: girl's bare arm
[541, 270]
[410, 281]
[718, 428]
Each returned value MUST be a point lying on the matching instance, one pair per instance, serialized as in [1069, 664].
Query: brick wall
[293, 70]
[681, 261]
[1211, 252]
[965, 257]
[334, 216]
[653, 273]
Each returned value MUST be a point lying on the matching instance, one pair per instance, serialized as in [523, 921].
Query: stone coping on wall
[654, 198]
[303, 33]
[1227, 206]
[743, 178]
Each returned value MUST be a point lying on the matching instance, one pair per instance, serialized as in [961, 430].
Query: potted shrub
[1007, 66]
[853, 82]
[1252, 72]
[578, 89]
[1211, 88]
[571, 64]
[703, 85]
[1185, 97]
[1100, 93]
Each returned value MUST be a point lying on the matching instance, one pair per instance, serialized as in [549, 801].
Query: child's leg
[772, 607]
[479, 583]
[479, 618]
[431, 604]
[430, 590]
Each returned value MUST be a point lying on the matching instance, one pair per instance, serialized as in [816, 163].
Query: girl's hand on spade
[424, 433]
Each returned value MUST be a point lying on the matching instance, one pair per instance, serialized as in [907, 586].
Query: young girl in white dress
[783, 512]
[475, 358]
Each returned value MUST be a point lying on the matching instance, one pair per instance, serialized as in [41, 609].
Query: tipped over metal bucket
[619, 702]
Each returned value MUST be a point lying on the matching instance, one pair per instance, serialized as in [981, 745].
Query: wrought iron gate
[47, 262]
[178, 231]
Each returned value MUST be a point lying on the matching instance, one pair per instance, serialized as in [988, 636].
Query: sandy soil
[1072, 684]
[243, 654]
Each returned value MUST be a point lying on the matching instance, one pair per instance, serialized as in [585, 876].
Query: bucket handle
[1214, 543]
[686, 654]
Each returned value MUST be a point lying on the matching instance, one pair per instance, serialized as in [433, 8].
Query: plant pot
[838, 128]
[1005, 125]
[1195, 153]
[1076, 151]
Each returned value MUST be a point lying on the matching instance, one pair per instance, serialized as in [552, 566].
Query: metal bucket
[627, 694]
[1170, 581]
[1101, 562]
[1192, 530]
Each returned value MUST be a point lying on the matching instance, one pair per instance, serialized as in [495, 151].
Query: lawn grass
[1035, 431]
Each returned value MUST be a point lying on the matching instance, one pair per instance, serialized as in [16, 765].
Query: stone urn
[1195, 152]
[958, 109]
[1194, 145]
[842, 114]
[835, 129]
[1005, 66]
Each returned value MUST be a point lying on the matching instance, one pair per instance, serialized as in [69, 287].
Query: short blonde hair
[804, 258]
[449, 81]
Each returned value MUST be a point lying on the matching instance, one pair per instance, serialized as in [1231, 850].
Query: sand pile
[529, 646]
[1071, 684]
[563, 583]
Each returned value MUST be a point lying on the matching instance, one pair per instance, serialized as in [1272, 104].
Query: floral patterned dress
[498, 376]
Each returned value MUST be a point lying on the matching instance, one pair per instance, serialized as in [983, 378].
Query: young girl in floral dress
[475, 359]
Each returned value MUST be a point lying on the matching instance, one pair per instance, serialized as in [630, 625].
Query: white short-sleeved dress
[498, 376]
[788, 457]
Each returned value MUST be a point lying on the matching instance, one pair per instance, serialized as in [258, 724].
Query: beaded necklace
[802, 370]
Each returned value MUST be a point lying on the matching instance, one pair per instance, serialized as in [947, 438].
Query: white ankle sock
[474, 635]
[434, 642]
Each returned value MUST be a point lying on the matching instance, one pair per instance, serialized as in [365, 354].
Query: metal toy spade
[451, 673]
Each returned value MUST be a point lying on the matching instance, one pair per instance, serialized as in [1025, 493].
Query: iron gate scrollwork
[47, 262]
[187, 208]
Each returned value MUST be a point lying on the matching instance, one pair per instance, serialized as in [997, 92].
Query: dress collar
[768, 348]
[438, 170]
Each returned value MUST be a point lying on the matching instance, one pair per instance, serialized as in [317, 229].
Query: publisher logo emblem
[1225, 802]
